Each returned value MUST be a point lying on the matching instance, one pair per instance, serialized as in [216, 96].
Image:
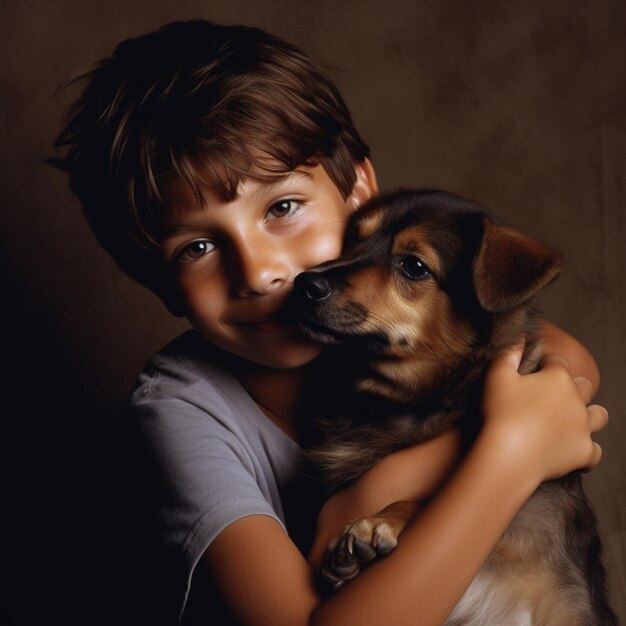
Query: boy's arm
[536, 427]
[416, 473]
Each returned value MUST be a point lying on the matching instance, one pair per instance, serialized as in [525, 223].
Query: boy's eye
[283, 208]
[195, 250]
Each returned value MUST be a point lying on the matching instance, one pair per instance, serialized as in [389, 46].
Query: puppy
[428, 291]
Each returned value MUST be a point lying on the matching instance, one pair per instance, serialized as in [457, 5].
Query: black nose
[313, 284]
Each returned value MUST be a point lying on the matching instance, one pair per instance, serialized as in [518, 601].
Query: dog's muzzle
[325, 316]
[316, 311]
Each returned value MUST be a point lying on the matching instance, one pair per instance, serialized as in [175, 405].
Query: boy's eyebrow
[265, 185]
[263, 188]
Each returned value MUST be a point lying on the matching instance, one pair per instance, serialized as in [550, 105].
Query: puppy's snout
[313, 285]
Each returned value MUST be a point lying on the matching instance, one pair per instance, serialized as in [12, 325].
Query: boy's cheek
[320, 249]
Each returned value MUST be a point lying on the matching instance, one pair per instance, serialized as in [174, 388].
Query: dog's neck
[436, 383]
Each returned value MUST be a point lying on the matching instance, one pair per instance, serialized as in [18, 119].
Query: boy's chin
[290, 353]
[291, 357]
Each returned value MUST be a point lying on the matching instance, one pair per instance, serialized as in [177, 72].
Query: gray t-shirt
[205, 456]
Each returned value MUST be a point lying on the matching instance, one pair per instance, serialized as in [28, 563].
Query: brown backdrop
[519, 104]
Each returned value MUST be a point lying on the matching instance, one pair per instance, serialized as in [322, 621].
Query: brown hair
[203, 104]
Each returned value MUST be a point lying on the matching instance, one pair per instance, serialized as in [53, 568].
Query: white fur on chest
[490, 600]
[521, 583]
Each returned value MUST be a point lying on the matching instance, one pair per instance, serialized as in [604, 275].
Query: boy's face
[235, 262]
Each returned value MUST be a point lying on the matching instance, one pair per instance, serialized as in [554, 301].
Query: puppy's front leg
[362, 541]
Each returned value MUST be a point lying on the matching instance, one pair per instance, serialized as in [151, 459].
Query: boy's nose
[258, 267]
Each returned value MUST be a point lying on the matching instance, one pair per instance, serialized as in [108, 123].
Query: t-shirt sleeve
[195, 478]
[199, 475]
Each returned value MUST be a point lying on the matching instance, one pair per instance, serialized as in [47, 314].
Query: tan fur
[436, 341]
[417, 239]
[519, 577]
[515, 598]
[369, 224]
[430, 337]
[426, 336]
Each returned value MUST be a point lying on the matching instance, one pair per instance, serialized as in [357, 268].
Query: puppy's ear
[510, 267]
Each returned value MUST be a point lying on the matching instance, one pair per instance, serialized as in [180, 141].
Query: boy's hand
[542, 419]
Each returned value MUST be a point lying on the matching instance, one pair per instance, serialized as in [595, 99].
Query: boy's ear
[511, 267]
[365, 185]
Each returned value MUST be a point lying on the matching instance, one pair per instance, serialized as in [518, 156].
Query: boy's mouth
[271, 323]
[266, 326]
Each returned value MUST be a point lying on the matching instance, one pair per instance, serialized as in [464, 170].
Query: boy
[215, 164]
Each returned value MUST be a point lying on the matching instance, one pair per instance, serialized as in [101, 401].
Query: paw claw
[361, 542]
[350, 544]
[383, 548]
[363, 551]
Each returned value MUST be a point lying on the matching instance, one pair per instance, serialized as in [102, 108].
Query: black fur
[486, 276]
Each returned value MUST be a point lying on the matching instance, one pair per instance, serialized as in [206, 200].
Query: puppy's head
[423, 278]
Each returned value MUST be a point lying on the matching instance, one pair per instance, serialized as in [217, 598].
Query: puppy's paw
[360, 542]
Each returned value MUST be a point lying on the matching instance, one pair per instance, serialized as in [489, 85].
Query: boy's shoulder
[188, 368]
[187, 394]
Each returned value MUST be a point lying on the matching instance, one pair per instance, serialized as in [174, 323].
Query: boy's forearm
[450, 546]
[414, 473]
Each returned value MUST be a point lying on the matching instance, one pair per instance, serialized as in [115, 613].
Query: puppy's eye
[413, 267]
